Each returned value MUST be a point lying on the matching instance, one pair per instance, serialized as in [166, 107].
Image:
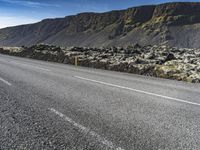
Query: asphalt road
[46, 105]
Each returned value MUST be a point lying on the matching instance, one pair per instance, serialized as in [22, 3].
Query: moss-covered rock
[159, 61]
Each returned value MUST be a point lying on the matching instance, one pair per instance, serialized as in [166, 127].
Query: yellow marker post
[76, 61]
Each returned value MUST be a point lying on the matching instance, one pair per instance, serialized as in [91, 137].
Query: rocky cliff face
[155, 24]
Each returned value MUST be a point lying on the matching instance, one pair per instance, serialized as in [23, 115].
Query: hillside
[173, 24]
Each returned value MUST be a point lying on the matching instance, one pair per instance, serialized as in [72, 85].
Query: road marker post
[76, 61]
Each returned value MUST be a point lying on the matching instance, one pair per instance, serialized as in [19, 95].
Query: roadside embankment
[159, 61]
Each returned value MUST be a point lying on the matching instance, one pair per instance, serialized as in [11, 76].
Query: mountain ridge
[149, 24]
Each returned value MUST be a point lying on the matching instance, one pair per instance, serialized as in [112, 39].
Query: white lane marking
[86, 130]
[6, 82]
[33, 66]
[139, 91]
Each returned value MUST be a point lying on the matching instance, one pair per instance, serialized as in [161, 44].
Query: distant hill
[174, 24]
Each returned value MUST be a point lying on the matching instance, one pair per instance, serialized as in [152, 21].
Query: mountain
[174, 24]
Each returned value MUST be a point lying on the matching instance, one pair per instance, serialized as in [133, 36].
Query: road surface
[46, 105]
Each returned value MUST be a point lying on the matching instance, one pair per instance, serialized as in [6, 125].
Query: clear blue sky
[15, 12]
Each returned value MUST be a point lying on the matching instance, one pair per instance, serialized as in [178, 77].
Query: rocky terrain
[160, 61]
[154, 24]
